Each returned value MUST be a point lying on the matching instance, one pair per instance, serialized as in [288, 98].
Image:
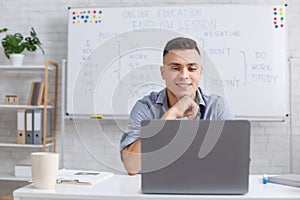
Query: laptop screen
[195, 156]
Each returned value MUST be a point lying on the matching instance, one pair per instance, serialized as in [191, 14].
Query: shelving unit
[11, 177]
[49, 65]
[48, 103]
[23, 106]
[7, 144]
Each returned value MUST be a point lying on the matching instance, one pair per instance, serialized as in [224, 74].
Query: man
[182, 98]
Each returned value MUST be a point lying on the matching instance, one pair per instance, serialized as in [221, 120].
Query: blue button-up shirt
[153, 106]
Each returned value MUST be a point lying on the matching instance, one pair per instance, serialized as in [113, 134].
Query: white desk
[128, 187]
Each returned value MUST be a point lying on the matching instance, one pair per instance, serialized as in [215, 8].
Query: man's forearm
[132, 157]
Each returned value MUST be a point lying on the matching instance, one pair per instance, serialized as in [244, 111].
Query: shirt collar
[163, 100]
[199, 98]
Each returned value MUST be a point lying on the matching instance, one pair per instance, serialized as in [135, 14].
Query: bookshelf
[48, 103]
[11, 177]
[25, 67]
[24, 106]
[11, 144]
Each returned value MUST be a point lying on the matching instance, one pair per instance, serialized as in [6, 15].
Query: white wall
[90, 145]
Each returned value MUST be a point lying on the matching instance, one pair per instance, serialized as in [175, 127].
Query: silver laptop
[195, 156]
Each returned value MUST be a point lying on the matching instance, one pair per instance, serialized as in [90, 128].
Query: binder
[21, 126]
[38, 125]
[29, 126]
[49, 123]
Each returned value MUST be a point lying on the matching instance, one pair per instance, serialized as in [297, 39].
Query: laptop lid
[195, 156]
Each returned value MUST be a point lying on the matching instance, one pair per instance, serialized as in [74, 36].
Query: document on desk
[82, 177]
[287, 179]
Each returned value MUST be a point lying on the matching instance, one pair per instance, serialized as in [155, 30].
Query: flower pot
[16, 59]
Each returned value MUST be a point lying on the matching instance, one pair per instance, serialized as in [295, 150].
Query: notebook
[195, 156]
[82, 177]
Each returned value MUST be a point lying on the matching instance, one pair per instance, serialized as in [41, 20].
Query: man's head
[181, 68]
[181, 43]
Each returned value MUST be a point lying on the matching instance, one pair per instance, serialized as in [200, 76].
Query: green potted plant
[15, 44]
[3, 30]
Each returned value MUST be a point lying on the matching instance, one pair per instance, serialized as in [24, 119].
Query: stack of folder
[30, 126]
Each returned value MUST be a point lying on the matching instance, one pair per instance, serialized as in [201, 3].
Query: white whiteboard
[114, 54]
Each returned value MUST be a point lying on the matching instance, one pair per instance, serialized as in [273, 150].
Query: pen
[67, 181]
[96, 116]
[265, 179]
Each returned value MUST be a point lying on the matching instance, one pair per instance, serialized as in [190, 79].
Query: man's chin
[183, 94]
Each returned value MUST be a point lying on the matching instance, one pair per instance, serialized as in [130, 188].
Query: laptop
[195, 156]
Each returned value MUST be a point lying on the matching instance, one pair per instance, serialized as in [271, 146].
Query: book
[36, 93]
[288, 179]
[23, 170]
[82, 177]
[40, 94]
[31, 93]
[36, 89]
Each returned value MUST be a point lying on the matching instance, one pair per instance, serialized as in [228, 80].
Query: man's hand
[185, 107]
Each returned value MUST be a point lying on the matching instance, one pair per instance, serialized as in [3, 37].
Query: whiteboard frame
[251, 118]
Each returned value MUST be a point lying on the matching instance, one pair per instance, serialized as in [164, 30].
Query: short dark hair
[180, 43]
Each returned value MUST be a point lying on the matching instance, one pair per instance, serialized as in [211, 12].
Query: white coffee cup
[44, 168]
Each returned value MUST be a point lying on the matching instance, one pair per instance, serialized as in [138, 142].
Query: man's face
[182, 72]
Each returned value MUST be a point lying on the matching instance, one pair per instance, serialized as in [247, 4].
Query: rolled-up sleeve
[139, 112]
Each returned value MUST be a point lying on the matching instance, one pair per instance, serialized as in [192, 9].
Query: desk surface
[129, 187]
